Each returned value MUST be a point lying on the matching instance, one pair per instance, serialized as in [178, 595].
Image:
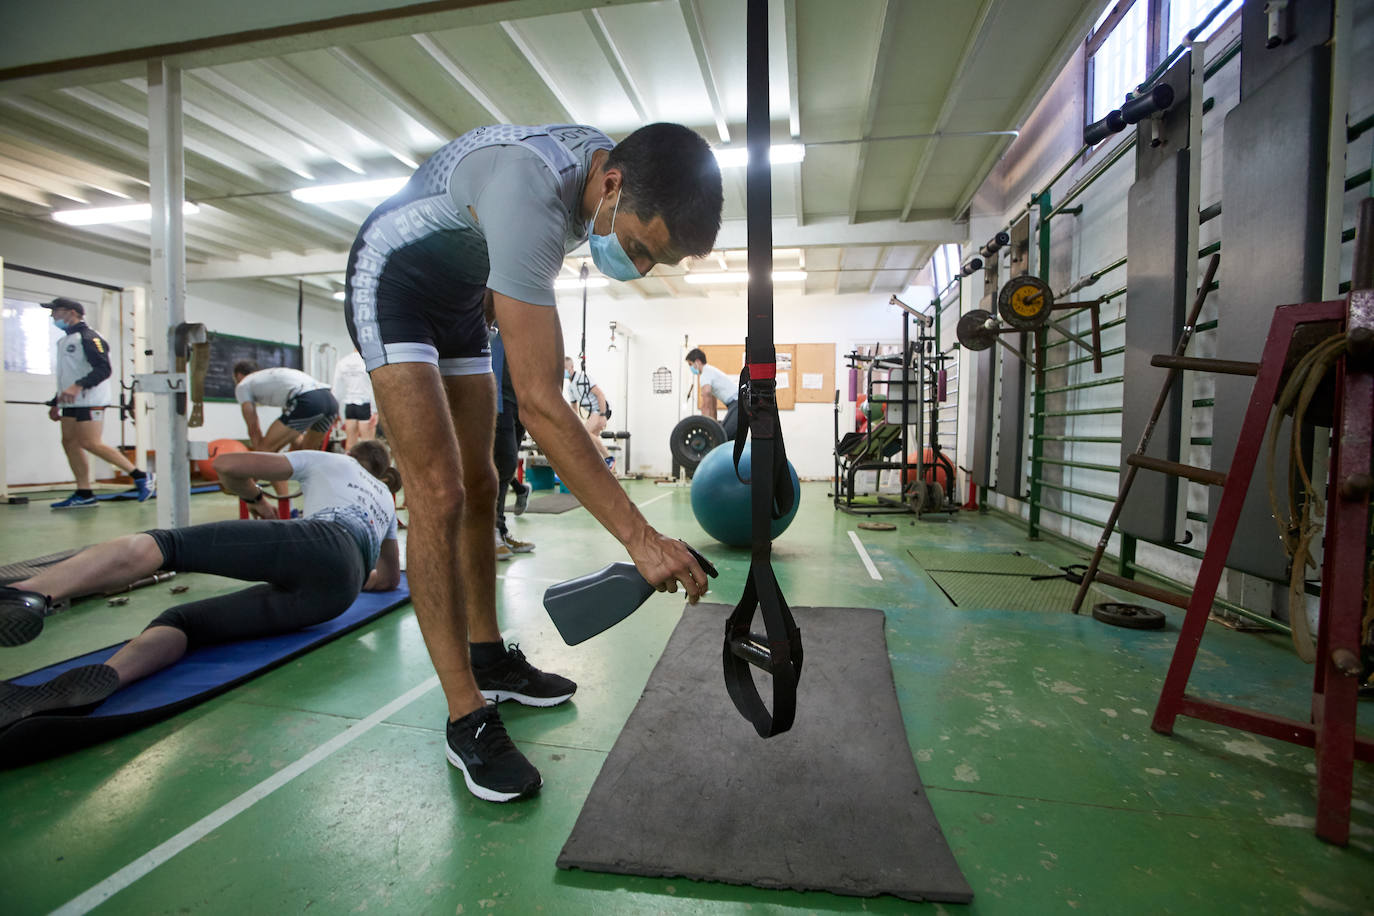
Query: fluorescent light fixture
[351, 190]
[739, 276]
[129, 213]
[778, 154]
[339, 295]
[576, 283]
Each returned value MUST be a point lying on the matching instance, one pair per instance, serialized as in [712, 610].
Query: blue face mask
[60, 323]
[696, 370]
[607, 254]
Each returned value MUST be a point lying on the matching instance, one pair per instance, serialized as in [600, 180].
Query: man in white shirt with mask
[716, 386]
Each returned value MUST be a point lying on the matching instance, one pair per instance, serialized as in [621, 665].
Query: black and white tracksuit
[83, 358]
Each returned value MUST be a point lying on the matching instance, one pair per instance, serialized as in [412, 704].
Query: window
[30, 337]
[1118, 50]
[1184, 14]
[944, 266]
[1119, 47]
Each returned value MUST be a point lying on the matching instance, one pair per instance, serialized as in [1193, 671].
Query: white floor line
[150, 860]
[655, 499]
[863, 555]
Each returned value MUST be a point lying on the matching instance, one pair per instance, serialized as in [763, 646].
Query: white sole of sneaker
[483, 792]
[498, 696]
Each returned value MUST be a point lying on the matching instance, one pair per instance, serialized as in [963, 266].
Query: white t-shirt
[724, 387]
[351, 382]
[337, 488]
[580, 391]
[274, 387]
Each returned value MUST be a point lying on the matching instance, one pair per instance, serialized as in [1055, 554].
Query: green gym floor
[1030, 729]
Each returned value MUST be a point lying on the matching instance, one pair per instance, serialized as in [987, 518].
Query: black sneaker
[522, 499]
[493, 767]
[513, 678]
[84, 686]
[21, 615]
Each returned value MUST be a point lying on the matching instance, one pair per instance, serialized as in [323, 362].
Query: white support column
[167, 300]
[137, 306]
[4, 468]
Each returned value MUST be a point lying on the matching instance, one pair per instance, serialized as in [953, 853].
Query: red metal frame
[1334, 694]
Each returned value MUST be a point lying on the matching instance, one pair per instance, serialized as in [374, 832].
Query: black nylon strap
[779, 651]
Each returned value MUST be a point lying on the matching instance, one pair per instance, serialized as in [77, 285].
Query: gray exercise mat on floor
[552, 503]
[24, 569]
[835, 804]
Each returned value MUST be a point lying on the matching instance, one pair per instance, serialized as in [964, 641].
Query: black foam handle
[1158, 98]
[1098, 131]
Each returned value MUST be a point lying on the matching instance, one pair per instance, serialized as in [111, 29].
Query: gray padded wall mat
[982, 417]
[834, 804]
[1273, 209]
[1011, 428]
[1157, 303]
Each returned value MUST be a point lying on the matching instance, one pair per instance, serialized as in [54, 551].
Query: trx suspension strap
[779, 650]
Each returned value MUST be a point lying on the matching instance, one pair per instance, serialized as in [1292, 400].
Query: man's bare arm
[534, 352]
[708, 403]
[250, 417]
[387, 575]
[600, 398]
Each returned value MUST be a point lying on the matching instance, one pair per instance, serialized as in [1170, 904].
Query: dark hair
[375, 458]
[670, 171]
[245, 367]
[695, 354]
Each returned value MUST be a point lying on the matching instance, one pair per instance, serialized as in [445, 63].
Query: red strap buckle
[763, 370]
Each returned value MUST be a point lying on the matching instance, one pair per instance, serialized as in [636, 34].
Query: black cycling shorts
[311, 410]
[358, 412]
[84, 414]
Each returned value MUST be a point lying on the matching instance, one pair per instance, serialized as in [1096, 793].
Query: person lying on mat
[310, 570]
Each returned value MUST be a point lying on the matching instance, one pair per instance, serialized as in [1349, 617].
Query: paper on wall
[782, 380]
[813, 380]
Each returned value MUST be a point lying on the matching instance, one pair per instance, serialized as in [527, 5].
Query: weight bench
[866, 451]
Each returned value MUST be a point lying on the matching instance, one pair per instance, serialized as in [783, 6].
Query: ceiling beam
[312, 138]
[278, 265]
[977, 34]
[14, 145]
[691, 16]
[461, 76]
[789, 8]
[22, 190]
[617, 63]
[540, 69]
[45, 180]
[394, 92]
[140, 120]
[870, 103]
[837, 232]
[239, 133]
[343, 112]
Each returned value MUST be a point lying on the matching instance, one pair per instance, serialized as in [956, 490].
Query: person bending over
[308, 408]
[353, 391]
[494, 213]
[716, 386]
[83, 393]
[310, 570]
[586, 395]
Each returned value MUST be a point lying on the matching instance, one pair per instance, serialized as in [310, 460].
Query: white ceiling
[861, 213]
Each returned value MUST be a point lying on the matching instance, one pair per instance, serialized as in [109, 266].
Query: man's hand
[68, 395]
[664, 562]
[263, 509]
[54, 412]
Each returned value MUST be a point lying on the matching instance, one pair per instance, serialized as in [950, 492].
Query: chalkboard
[227, 349]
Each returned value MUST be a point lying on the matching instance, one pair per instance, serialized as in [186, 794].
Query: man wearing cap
[83, 392]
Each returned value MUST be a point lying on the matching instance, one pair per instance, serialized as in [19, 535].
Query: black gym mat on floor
[24, 569]
[835, 804]
[552, 503]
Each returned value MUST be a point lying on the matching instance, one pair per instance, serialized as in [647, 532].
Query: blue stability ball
[722, 504]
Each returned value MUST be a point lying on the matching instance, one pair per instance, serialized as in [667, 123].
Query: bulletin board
[730, 358]
[814, 360]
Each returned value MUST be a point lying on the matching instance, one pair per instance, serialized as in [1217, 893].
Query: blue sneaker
[145, 486]
[76, 502]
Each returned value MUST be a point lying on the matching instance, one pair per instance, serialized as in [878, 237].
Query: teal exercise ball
[722, 504]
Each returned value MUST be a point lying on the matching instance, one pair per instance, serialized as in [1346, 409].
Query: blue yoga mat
[198, 676]
[130, 496]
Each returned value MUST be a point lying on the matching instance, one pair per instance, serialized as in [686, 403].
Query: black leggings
[506, 452]
[312, 570]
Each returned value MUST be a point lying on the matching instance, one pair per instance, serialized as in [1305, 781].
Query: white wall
[660, 327]
[32, 442]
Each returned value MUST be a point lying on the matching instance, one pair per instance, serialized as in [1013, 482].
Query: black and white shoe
[492, 766]
[21, 615]
[522, 497]
[514, 678]
[84, 686]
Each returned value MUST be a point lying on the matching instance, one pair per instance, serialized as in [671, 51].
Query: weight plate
[935, 492]
[876, 526]
[1130, 616]
[1025, 303]
[973, 331]
[692, 438]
